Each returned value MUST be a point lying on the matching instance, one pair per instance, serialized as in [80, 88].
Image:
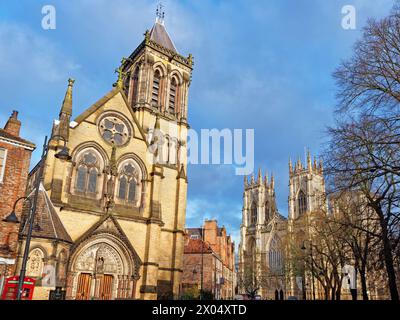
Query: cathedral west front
[267, 237]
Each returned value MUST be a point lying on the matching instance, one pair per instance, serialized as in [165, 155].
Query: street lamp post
[62, 155]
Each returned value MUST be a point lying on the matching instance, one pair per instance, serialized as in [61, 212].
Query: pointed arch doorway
[102, 268]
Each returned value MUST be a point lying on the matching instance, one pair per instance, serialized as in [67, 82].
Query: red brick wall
[192, 261]
[11, 188]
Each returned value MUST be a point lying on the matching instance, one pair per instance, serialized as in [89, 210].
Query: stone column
[69, 285]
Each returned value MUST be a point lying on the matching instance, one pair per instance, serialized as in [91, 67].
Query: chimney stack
[13, 125]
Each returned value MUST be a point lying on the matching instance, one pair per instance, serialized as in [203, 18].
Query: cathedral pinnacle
[272, 181]
[252, 179]
[309, 166]
[246, 183]
[290, 165]
[266, 179]
[259, 178]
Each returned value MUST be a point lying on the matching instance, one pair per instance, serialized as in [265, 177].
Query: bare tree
[370, 80]
[356, 222]
[363, 157]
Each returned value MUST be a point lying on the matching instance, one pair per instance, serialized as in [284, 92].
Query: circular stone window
[114, 129]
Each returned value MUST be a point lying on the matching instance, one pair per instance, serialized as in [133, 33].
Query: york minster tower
[262, 238]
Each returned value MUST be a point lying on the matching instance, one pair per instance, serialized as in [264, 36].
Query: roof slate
[160, 35]
[47, 218]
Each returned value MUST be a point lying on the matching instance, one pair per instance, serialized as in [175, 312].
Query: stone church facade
[266, 235]
[110, 221]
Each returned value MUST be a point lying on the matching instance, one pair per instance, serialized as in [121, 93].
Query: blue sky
[264, 65]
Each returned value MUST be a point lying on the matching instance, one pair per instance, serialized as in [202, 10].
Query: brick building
[212, 248]
[15, 155]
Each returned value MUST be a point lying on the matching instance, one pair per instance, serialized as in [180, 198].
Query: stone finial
[252, 179]
[259, 177]
[190, 59]
[321, 166]
[290, 166]
[147, 36]
[120, 81]
[266, 179]
[315, 164]
[246, 183]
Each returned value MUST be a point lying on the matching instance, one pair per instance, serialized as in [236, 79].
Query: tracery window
[35, 263]
[302, 203]
[129, 183]
[275, 258]
[253, 214]
[87, 172]
[267, 211]
[114, 130]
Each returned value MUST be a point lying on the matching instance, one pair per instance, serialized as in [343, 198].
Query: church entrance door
[83, 290]
[106, 283]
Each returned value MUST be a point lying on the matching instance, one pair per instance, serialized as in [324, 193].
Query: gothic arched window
[88, 170]
[128, 183]
[155, 96]
[253, 214]
[173, 92]
[302, 203]
[35, 263]
[267, 211]
[275, 258]
[135, 85]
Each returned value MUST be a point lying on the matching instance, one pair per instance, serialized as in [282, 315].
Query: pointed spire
[272, 181]
[67, 103]
[315, 163]
[252, 179]
[246, 183]
[309, 166]
[321, 166]
[290, 166]
[259, 178]
[266, 178]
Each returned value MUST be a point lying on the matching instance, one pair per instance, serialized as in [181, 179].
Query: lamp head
[63, 154]
[12, 217]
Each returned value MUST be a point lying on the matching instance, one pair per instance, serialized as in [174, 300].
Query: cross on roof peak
[160, 14]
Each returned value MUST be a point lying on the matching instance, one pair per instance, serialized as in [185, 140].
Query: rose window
[114, 130]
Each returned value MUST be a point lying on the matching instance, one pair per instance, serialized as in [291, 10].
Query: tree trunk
[388, 256]
[363, 280]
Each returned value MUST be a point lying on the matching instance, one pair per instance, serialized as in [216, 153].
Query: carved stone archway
[102, 267]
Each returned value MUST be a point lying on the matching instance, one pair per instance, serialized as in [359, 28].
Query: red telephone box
[11, 288]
